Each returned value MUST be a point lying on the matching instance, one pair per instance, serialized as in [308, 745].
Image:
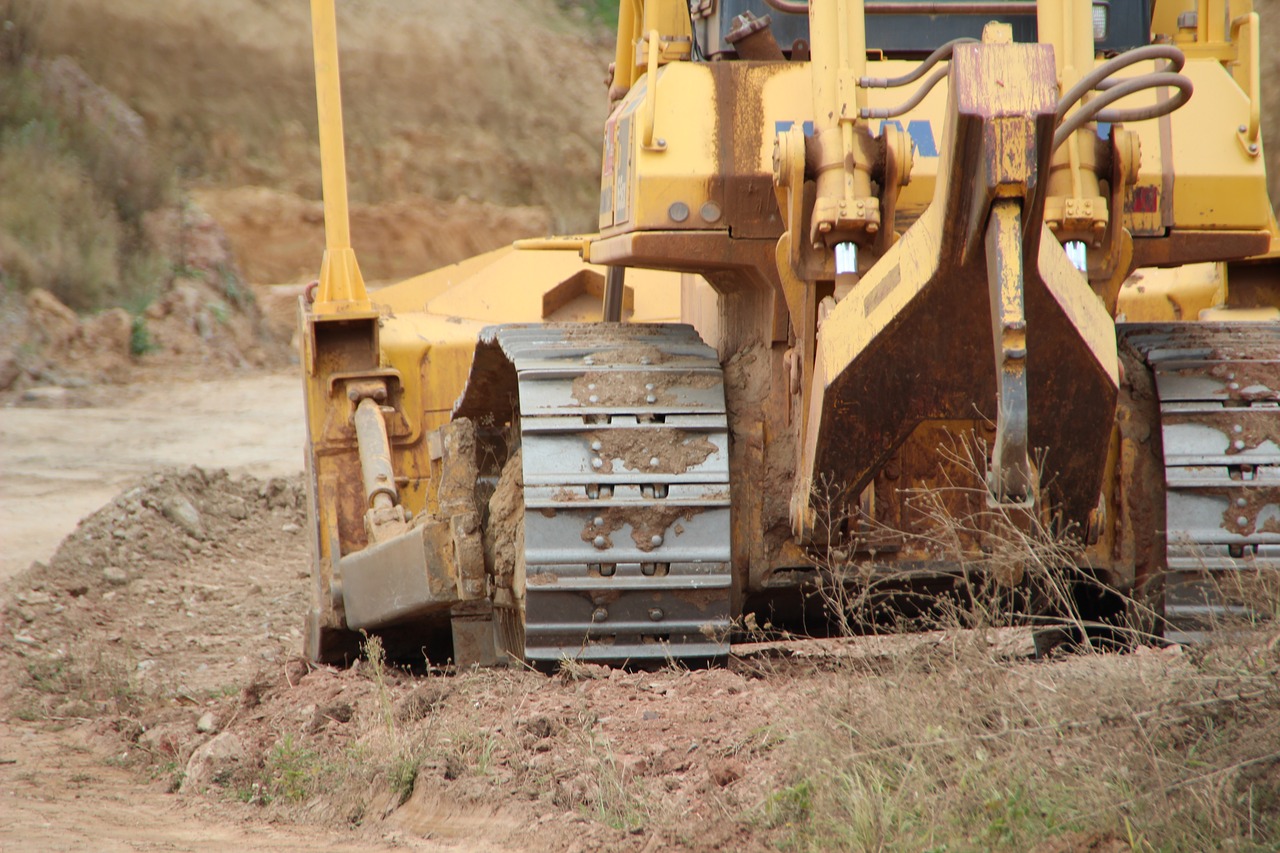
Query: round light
[710, 212]
[678, 212]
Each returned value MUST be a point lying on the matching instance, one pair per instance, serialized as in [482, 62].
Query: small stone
[183, 513]
[147, 665]
[217, 759]
[115, 575]
[207, 724]
[290, 527]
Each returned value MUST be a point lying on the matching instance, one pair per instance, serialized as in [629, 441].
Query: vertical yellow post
[341, 285]
[1075, 208]
[844, 207]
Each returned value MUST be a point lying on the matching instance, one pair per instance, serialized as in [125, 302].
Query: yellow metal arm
[341, 285]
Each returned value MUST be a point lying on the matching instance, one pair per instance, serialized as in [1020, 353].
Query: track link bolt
[597, 446]
[655, 540]
[598, 521]
[650, 399]
[1242, 502]
[597, 463]
[599, 614]
[656, 614]
[653, 462]
[1238, 444]
[1243, 521]
[1238, 428]
[593, 399]
[600, 542]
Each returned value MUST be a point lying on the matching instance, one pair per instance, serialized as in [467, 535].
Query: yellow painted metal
[1178, 293]
[844, 208]
[341, 287]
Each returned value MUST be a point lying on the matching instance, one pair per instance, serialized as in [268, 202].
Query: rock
[290, 527]
[183, 513]
[54, 323]
[110, 332]
[147, 665]
[214, 761]
[115, 575]
[207, 724]
[725, 771]
[10, 370]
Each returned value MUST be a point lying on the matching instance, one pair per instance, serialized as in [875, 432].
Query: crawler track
[1219, 390]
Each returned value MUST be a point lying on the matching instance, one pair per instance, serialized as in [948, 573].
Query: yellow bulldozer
[1010, 256]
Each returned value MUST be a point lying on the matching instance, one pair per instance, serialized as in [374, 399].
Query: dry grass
[77, 188]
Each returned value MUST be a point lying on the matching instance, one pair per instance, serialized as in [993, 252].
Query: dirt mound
[155, 590]
[279, 236]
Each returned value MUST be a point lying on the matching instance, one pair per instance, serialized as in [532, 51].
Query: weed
[291, 770]
[140, 341]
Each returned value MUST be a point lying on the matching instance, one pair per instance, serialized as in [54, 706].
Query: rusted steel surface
[914, 339]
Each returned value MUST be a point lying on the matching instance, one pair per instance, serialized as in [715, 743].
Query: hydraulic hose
[1097, 78]
[1095, 109]
[909, 104]
[933, 59]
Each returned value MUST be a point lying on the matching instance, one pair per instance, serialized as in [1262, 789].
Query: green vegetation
[78, 185]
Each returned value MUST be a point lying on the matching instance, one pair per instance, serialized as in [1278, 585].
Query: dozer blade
[976, 312]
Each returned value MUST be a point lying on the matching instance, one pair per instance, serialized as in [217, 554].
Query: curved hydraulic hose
[1097, 78]
[909, 104]
[1095, 109]
[933, 59]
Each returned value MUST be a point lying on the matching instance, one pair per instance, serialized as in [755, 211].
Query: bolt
[599, 614]
[648, 386]
[1237, 428]
[1234, 386]
[872, 228]
[600, 542]
[656, 614]
[591, 387]
[653, 462]
[598, 521]
[597, 446]
[593, 399]
[655, 540]
[1253, 148]
[650, 398]
[1241, 129]
[1238, 445]
[1242, 521]
[597, 462]
[1242, 502]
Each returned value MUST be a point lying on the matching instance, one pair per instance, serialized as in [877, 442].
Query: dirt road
[64, 455]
